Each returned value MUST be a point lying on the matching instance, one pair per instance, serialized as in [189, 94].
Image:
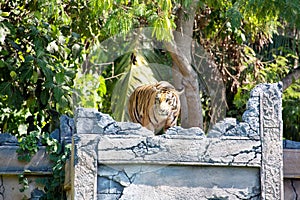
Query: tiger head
[165, 102]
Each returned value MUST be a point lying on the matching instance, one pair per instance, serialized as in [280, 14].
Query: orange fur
[155, 106]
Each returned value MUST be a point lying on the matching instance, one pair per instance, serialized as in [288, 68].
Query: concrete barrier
[234, 160]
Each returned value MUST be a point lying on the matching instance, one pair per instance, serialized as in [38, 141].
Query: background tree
[235, 33]
[45, 42]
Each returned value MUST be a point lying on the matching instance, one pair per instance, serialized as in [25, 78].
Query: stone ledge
[10, 165]
[291, 160]
[193, 150]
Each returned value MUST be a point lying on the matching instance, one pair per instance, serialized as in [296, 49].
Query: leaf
[26, 73]
[46, 71]
[17, 99]
[29, 58]
[5, 88]
[102, 87]
[59, 77]
[2, 64]
[58, 93]
[13, 74]
[44, 97]
[35, 76]
[49, 84]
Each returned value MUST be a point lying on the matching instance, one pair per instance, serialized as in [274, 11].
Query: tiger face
[165, 102]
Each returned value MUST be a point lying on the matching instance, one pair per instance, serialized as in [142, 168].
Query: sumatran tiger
[155, 106]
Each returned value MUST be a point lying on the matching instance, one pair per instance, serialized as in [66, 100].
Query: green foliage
[38, 64]
[28, 146]
[23, 180]
[272, 70]
[252, 42]
[234, 32]
[122, 16]
[40, 52]
[248, 19]
[291, 112]
[256, 72]
[90, 89]
[58, 154]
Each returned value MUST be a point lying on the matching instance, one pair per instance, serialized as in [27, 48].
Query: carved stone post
[84, 157]
[271, 139]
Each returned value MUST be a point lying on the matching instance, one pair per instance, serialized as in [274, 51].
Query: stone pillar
[271, 139]
[84, 157]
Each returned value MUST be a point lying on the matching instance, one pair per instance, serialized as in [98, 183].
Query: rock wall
[118, 160]
[38, 168]
[11, 167]
[234, 160]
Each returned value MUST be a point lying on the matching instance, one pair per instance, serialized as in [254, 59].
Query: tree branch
[178, 57]
[290, 78]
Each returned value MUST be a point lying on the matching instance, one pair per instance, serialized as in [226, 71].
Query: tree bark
[184, 75]
[290, 78]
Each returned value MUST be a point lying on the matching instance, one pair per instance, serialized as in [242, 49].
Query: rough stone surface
[85, 166]
[39, 166]
[291, 189]
[67, 129]
[8, 140]
[10, 188]
[121, 160]
[288, 144]
[177, 130]
[189, 182]
[251, 115]
[9, 163]
[177, 182]
[271, 139]
[177, 149]
[224, 127]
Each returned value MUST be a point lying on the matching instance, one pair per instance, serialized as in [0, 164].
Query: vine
[58, 154]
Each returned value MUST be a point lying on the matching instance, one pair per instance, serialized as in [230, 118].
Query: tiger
[155, 106]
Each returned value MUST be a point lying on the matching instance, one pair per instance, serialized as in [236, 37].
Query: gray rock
[8, 140]
[67, 126]
[85, 113]
[220, 128]
[118, 176]
[36, 194]
[111, 128]
[261, 88]
[288, 144]
[55, 134]
[129, 126]
[104, 120]
[243, 129]
[177, 130]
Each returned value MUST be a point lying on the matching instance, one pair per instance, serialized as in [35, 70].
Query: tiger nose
[164, 107]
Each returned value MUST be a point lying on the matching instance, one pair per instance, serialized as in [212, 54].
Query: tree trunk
[290, 78]
[184, 75]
